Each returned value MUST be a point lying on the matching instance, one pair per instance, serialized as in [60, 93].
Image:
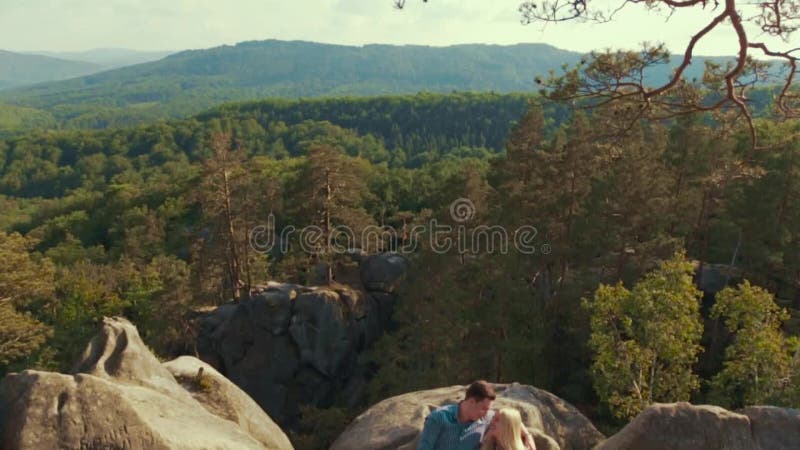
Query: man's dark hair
[480, 390]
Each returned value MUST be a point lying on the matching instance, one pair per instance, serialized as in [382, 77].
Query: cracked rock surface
[120, 396]
[288, 345]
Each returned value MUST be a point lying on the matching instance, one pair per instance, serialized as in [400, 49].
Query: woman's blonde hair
[508, 434]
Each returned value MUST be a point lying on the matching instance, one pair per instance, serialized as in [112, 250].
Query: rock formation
[682, 426]
[395, 423]
[715, 277]
[121, 396]
[288, 345]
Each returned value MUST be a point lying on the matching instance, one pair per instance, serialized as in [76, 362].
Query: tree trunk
[234, 257]
[328, 249]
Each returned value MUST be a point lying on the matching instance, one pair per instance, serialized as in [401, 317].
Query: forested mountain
[302, 69]
[192, 81]
[409, 124]
[110, 58]
[20, 69]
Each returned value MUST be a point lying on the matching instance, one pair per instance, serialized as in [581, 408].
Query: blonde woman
[506, 432]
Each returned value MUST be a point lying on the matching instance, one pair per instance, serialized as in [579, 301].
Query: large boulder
[774, 428]
[122, 397]
[322, 327]
[272, 309]
[382, 272]
[224, 399]
[288, 345]
[395, 423]
[117, 353]
[715, 277]
[682, 426]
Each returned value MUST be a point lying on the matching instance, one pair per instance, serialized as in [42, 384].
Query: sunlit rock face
[121, 396]
[288, 345]
[395, 423]
[683, 426]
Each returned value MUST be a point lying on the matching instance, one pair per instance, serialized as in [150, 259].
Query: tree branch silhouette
[620, 76]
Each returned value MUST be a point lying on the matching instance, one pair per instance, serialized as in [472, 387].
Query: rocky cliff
[288, 345]
[682, 426]
[120, 396]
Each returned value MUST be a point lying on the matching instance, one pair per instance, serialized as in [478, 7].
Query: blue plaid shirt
[443, 431]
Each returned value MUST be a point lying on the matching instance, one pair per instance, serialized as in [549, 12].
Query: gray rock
[713, 277]
[224, 399]
[543, 441]
[209, 324]
[385, 303]
[266, 371]
[234, 338]
[774, 428]
[287, 345]
[682, 426]
[122, 397]
[313, 388]
[371, 326]
[383, 272]
[117, 353]
[272, 310]
[395, 423]
[322, 329]
[217, 316]
[289, 288]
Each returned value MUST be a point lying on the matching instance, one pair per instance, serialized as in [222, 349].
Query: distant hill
[19, 69]
[272, 68]
[19, 117]
[110, 58]
[190, 82]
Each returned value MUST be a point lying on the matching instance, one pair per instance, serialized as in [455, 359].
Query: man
[461, 426]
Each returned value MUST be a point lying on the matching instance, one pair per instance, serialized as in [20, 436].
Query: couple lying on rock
[471, 424]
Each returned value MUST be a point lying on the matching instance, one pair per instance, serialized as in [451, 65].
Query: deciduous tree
[646, 340]
[26, 282]
[758, 361]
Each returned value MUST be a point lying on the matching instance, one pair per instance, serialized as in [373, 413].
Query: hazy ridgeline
[189, 82]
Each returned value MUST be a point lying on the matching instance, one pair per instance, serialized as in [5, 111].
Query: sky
[77, 25]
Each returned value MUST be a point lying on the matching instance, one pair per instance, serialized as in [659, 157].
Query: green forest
[141, 221]
[192, 81]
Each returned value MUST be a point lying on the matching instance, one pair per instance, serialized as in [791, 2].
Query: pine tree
[329, 193]
[448, 301]
[626, 222]
[767, 214]
[222, 183]
[547, 184]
